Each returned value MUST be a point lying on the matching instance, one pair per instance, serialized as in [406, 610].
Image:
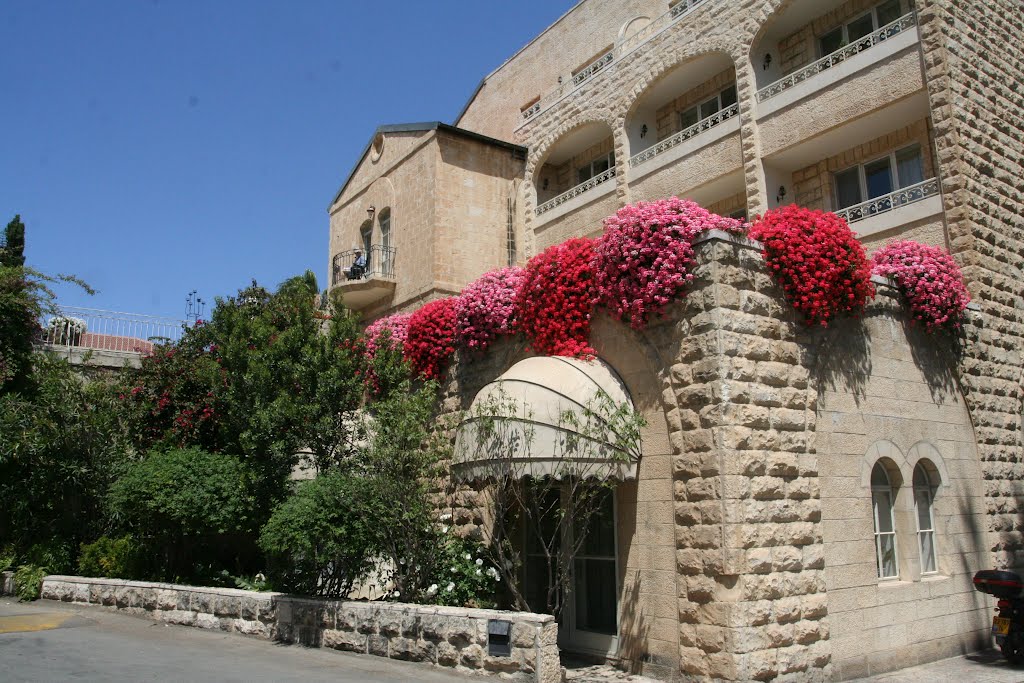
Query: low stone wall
[7, 583]
[519, 644]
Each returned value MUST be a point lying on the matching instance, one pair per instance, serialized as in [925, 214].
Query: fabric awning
[548, 416]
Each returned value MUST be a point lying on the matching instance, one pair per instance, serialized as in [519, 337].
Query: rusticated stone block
[412, 650]
[377, 645]
[349, 641]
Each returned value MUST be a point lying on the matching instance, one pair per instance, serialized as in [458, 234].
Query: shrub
[642, 261]
[930, 281]
[555, 301]
[324, 539]
[431, 339]
[28, 581]
[486, 307]
[464, 577]
[817, 260]
[189, 509]
[388, 332]
[114, 558]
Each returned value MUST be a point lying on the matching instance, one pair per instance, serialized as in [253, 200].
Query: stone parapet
[460, 638]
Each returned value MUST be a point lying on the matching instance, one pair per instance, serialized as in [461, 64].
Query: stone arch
[892, 458]
[542, 151]
[630, 27]
[677, 56]
[925, 451]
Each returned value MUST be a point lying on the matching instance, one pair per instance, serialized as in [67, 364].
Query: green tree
[12, 255]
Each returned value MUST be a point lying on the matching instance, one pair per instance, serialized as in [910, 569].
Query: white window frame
[844, 27]
[924, 491]
[681, 116]
[891, 492]
[862, 178]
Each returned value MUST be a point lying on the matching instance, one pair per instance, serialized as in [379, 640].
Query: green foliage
[28, 581]
[325, 538]
[115, 558]
[8, 556]
[465, 577]
[60, 448]
[258, 582]
[12, 254]
[188, 508]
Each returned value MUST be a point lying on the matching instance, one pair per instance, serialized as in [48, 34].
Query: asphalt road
[53, 641]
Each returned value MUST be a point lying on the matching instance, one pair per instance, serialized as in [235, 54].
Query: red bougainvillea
[486, 307]
[397, 327]
[642, 262]
[817, 260]
[556, 299]
[430, 342]
[929, 279]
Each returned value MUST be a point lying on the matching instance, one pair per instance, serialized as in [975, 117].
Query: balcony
[625, 47]
[578, 190]
[841, 63]
[108, 338]
[886, 212]
[685, 135]
[358, 288]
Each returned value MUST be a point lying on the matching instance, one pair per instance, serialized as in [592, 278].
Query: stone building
[809, 504]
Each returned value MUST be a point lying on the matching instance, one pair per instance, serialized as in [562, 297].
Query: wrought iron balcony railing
[98, 330]
[893, 200]
[585, 186]
[685, 134]
[838, 57]
[678, 11]
[380, 262]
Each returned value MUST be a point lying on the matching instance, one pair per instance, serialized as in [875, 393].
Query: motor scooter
[1008, 623]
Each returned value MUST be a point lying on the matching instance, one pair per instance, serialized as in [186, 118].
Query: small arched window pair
[884, 491]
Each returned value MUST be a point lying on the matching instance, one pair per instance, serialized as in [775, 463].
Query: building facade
[809, 504]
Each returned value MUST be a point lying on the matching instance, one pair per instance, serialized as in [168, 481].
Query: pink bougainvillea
[556, 299]
[430, 342]
[817, 260]
[642, 262]
[397, 327]
[929, 279]
[486, 307]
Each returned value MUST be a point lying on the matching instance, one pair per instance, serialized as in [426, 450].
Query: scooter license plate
[1000, 626]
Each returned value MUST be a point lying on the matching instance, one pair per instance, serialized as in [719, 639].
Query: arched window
[882, 497]
[385, 242]
[924, 488]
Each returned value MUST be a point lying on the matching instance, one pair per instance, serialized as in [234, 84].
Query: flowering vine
[642, 262]
[555, 301]
[486, 307]
[430, 341]
[397, 328]
[929, 279]
[817, 260]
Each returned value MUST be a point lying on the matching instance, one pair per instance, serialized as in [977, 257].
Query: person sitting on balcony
[358, 266]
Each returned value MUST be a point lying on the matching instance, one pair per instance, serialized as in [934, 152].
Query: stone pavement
[978, 667]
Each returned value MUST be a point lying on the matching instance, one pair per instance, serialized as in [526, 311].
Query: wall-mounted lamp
[544, 186]
[370, 211]
[559, 80]
[767, 61]
[781, 195]
[643, 130]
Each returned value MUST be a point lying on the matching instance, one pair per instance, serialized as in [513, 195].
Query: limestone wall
[445, 636]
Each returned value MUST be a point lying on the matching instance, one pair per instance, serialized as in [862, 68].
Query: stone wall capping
[731, 238]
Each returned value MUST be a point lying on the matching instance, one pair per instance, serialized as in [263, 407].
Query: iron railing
[707, 123]
[99, 330]
[576, 191]
[839, 56]
[893, 200]
[380, 262]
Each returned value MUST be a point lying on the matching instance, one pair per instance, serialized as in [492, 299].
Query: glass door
[593, 610]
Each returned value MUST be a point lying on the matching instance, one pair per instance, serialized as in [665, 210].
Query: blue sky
[153, 147]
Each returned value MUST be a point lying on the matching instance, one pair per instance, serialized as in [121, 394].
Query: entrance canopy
[549, 416]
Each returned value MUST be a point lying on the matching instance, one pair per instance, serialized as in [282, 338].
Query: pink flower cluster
[556, 299]
[642, 262]
[397, 328]
[817, 260]
[430, 342]
[486, 307]
[929, 279]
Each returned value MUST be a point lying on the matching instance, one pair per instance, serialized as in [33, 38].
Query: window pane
[879, 477]
[887, 555]
[600, 165]
[708, 108]
[889, 12]
[595, 595]
[611, 159]
[848, 188]
[883, 511]
[909, 166]
[688, 117]
[927, 551]
[878, 177]
[923, 500]
[584, 174]
[600, 539]
[729, 96]
[385, 231]
[831, 41]
[860, 27]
